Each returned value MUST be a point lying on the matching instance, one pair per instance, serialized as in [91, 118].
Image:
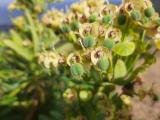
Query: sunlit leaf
[124, 48]
[120, 69]
[6, 100]
[22, 51]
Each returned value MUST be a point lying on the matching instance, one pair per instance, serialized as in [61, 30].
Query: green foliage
[70, 65]
[120, 69]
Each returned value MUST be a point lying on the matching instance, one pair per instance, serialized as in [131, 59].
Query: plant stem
[125, 30]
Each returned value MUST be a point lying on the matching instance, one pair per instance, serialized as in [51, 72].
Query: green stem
[125, 30]
[142, 67]
[143, 35]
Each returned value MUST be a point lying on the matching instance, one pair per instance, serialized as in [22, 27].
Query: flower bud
[89, 41]
[136, 15]
[65, 28]
[149, 11]
[122, 19]
[75, 25]
[109, 43]
[107, 19]
[85, 95]
[103, 63]
[77, 69]
[92, 18]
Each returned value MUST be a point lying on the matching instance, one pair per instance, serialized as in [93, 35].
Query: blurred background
[5, 22]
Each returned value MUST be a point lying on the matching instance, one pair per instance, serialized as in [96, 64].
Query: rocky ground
[147, 109]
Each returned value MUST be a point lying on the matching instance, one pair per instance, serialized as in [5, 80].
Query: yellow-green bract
[120, 69]
[124, 48]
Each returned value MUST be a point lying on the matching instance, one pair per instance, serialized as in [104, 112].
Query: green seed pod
[107, 19]
[65, 28]
[92, 18]
[136, 15]
[77, 69]
[75, 25]
[149, 11]
[89, 41]
[85, 95]
[122, 19]
[103, 63]
[109, 43]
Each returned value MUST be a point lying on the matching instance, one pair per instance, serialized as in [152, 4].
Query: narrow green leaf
[35, 37]
[7, 100]
[16, 37]
[23, 52]
[18, 89]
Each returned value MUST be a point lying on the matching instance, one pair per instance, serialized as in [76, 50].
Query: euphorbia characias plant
[93, 66]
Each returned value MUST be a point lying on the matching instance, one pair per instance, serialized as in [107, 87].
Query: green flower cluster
[108, 41]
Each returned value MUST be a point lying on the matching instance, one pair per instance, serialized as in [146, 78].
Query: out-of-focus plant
[82, 64]
[24, 85]
[109, 41]
[36, 6]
